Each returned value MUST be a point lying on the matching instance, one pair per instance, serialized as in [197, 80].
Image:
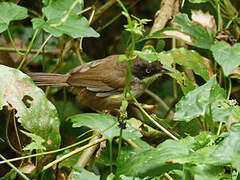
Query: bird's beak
[167, 70]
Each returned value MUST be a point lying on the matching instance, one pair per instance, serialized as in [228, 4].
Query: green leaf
[192, 60]
[226, 56]
[219, 151]
[196, 103]
[236, 113]
[45, 2]
[148, 54]
[37, 143]
[203, 38]
[203, 172]
[58, 23]
[35, 113]
[37, 23]
[10, 12]
[59, 8]
[230, 147]
[185, 83]
[211, 152]
[221, 111]
[188, 58]
[75, 26]
[131, 178]
[152, 162]
[202, 140]
[106, 124]
[82, 174]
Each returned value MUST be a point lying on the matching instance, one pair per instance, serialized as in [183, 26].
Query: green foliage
[60, 23]
[152, 162]
[199, 106]
[202, 156]
[197, 102]
[190, 59]
[105, 124]
[10, 12]
[227, 57]
[82, 174]
[36, 144]
[148, 54]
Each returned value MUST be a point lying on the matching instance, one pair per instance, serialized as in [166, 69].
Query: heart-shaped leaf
[227, 57]
[10, 12]
[196, 102]
[60, 22]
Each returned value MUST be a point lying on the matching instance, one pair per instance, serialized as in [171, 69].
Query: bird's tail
[49, 79]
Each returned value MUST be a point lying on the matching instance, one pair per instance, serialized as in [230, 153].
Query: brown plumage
[99, 84]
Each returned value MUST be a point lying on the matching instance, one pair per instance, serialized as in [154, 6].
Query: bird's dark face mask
[143, 69]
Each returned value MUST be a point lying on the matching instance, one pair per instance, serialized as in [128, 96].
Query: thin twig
[28, 49]
[6, 133]
[85, 10]
[151, 119]
[41, 48]
[16, 129]
[6, 49]
[72, 153]
[160, 101]
[115, 18]
[12, 43]
[168, 176]
[15, 168]
[79, 48]
[102, 10]
[86, 154]
[34, 13]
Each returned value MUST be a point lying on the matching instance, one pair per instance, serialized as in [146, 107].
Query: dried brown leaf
[179, 35]
[236, 71]
[209, 65]
[205, 20]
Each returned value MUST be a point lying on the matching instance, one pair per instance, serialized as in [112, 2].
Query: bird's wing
[100, 76]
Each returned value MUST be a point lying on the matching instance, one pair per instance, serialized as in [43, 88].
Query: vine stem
[151, 119]
[228, 97]
[219, 27]
[110, 154]
[13, 44]
[219, 128]
[58, 150]
[72, 153]
[28, 49]
[6, 49]
[116, 17]
[15, 168]
[45, 153]
[131, 48]
[229, 88]
[41, 48]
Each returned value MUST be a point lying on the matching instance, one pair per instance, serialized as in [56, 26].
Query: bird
[99, 84]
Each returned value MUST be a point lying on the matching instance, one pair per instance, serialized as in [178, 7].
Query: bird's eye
[147, 70]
